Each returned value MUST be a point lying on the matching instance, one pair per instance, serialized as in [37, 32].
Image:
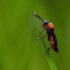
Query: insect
[49, 28]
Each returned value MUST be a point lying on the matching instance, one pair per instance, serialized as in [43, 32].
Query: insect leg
[41, 31]
[47, 50]
[41, 38]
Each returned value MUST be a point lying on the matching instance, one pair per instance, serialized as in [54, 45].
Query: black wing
[55, 41]
[50, 32]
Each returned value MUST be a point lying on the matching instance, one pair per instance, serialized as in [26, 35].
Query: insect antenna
[37, 15]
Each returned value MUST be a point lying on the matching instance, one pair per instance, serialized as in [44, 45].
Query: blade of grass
[44, 47]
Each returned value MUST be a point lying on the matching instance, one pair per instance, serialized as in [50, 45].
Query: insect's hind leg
[47, 51]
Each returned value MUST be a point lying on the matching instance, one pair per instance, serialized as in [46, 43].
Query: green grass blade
[44, 47]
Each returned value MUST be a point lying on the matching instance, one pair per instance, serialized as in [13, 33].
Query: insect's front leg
[41, 31]
[42, 37]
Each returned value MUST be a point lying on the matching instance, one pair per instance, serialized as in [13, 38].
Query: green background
[19, 49]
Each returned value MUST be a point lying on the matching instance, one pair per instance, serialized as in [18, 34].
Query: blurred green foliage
[19, 49]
